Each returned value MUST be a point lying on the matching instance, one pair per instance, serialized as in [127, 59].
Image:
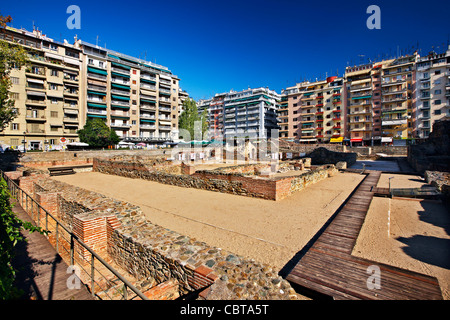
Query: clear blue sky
[216, 46]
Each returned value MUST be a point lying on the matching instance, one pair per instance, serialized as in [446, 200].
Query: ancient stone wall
[325, 156]
[235, 180]
[434, 153]
[155, 254]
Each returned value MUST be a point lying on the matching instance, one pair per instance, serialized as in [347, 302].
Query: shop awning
[356, 140]
[362, 97]
[95, 116]
[145, 120]
[386, 139]
[95, 92]
[120, 65]
[340, 139]
[120, 98]
[95, 105]
[35, 81]
[120, 74]
[115, 85]
[98, 71]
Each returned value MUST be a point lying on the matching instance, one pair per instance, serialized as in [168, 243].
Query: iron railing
[103, 281]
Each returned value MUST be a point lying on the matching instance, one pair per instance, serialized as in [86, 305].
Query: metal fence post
[92, 275]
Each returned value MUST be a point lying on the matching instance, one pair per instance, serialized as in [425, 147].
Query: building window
[134, 71]
[14, 95]
[134, 81]
[54, 114]
[15, 126]
[437, 112]
[437, 102]
[54, 73]
[14, 80]
[437, 91]
[437, 72]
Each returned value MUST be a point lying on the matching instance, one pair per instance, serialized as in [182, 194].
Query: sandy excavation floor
[419, 233]
[267, 231]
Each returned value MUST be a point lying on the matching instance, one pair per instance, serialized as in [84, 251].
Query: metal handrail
[18, 194]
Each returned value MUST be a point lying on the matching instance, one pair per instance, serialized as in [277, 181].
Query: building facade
[312, 111]
[244, 114]
[65, 84]
[432, 91]
[46, 92]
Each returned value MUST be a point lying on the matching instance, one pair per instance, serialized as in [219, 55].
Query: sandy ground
[418, 237]
[264, 230]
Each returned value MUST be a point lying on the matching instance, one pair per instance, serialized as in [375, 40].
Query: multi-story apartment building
[248, 113]
[138, 99]
[312, 111]
[398, 103]
[432, 91]
[46, 92]
[359, 106]
[65, 85]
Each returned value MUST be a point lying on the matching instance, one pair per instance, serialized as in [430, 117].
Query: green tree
[97, 134]
[188, 118]
[11, 56]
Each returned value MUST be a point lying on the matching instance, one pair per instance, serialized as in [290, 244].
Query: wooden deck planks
[42, 273]
[329, 268]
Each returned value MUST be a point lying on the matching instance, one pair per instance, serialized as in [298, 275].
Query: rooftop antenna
[96, 42]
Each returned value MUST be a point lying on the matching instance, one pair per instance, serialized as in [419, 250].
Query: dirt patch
[267, 231]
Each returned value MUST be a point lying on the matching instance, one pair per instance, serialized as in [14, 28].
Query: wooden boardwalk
[42, 273]
[328, 267]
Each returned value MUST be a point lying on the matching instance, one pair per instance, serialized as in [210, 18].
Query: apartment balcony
[393, 82]
[121, 92]
[164, 127]
[70, 111]
[164, 109]
[70, 93]
[70, 120]
[35, 117]
[394, 122]
[147, 116]
[96, 76]
[147, 126]
[164, 100]
[71, 80]
[120, 70]
[120, 114]
[394, 99]
[33, 102]
[120, 103]
[120, 81]
[148, 86]
[120, 125]
[97, 111]
[96, 88]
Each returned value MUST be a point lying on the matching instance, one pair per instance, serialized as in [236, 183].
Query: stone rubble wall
[153, 253]
[237, 180]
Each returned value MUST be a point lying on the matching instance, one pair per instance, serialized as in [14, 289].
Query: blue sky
[216, 46]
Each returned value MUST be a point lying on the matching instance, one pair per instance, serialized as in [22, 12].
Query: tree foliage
[188, 119]
[97, 134]
[11, 56]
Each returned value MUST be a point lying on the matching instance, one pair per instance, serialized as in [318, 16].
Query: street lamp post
[24, 142]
